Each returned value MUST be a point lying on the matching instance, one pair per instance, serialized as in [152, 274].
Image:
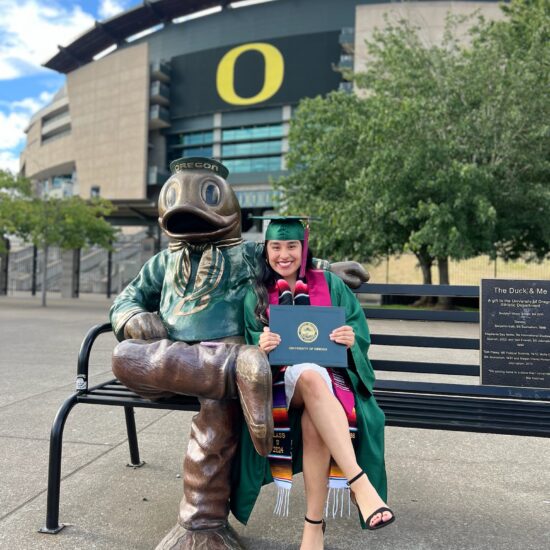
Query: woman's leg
[316, 463]
[328, 417]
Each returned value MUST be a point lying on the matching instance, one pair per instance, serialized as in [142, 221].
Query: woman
[320, 422]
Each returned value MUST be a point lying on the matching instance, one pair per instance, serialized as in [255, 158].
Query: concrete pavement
[449, 490]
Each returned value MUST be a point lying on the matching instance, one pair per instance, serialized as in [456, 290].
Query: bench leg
[135, 462]
[53, 526]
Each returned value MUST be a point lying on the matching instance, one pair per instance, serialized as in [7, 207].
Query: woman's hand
[268, 340]
[343, 335]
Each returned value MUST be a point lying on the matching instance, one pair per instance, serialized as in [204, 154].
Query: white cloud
[109, 8]
[30, 32]
[9, 161]
[14, 118]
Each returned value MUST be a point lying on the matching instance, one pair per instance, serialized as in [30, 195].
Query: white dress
[293, 373]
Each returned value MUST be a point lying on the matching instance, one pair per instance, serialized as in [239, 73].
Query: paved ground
[449, 490]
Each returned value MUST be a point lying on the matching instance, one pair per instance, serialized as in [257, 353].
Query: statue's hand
[352, 273]
[145, 326]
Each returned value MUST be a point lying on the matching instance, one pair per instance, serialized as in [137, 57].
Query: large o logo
[273, 77]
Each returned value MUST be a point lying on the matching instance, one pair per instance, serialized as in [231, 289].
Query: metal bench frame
[440, 406]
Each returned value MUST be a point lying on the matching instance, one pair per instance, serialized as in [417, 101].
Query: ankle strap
[318, 522]
[361, 473]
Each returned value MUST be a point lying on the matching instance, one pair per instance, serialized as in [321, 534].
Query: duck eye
[210, 193]
[171, 195]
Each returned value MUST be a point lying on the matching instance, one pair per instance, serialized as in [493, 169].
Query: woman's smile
[284, 256]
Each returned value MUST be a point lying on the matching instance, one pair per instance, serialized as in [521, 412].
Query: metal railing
[124, 263]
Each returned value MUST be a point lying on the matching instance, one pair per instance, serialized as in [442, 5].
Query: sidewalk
[449, 490]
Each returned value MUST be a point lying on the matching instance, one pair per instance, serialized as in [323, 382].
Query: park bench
[416, 404]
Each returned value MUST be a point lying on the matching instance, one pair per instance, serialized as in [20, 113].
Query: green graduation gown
[251, 470]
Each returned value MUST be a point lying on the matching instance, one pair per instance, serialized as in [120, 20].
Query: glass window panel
[253, 132]
[197, 138]
[253, 148]
[197, 152]
[259, 164]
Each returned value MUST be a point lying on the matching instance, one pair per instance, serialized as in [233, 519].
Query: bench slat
[450, 409]
[455, 418]
[422, 315]
[421, 367]
[479, 427]
[510, 392]
[425, 341]
[458, 291]
[191, 404]
[506, 406]
[115, 393]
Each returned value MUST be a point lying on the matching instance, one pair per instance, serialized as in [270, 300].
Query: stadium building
[174, 78]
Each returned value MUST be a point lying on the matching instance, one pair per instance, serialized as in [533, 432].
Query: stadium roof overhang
[116, 30]
[133, 212]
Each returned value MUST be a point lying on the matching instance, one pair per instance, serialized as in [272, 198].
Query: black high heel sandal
[380, 510]
[317, 522]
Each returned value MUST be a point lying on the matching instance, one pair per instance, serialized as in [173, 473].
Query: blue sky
[30, 31]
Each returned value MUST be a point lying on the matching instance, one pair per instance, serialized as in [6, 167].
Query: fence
[404, 269]
[124, 263]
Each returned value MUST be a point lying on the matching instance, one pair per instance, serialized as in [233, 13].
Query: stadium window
[197, 138]
[258, 164]
[253, 132]
[252, 148]
[197, 152]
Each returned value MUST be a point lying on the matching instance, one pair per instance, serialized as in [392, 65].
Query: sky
[30, 31]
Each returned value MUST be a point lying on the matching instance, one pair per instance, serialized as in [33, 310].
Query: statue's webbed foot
[180, 538]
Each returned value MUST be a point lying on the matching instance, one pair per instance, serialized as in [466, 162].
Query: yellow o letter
[273, 77]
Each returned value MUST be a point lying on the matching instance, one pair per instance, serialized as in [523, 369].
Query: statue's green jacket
[251, 470]
[197, 292]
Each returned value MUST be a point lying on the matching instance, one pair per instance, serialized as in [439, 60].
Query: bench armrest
[84, 355]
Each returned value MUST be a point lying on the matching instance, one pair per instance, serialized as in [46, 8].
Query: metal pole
[135, 461]
[77, 273]
[5, 262]
[34, 269]
[54, 468]
[109, 272]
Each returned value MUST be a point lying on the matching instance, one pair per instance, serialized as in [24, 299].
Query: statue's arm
[134, 311]
[352, 273]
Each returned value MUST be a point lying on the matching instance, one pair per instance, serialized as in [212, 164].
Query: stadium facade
[174, 78]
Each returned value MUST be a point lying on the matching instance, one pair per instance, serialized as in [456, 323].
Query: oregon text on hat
[199, 163]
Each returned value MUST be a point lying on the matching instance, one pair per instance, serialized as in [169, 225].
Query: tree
[511, 124]
[69, 223]
[437, 150]
[12, 189]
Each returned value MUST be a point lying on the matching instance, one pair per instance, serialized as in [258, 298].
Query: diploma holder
[304, 332]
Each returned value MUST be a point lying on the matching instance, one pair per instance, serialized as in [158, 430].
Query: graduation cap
[289, 228]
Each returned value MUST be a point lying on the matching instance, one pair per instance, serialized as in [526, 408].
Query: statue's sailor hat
[199, 163]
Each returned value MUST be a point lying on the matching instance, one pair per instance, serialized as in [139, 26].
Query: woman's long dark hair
[266, 278]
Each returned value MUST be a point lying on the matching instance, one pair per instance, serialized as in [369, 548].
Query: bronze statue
[181, 325]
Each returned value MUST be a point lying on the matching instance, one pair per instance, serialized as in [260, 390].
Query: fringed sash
[280, 458]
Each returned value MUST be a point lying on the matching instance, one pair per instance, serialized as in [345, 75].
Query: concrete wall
[429, 16]
[54, 157]
[109, 104]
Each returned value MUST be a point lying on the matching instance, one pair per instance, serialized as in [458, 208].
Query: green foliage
[68, 223]
[443, 151]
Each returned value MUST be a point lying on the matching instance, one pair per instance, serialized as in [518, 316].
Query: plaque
[515, 333]
[304, 332]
